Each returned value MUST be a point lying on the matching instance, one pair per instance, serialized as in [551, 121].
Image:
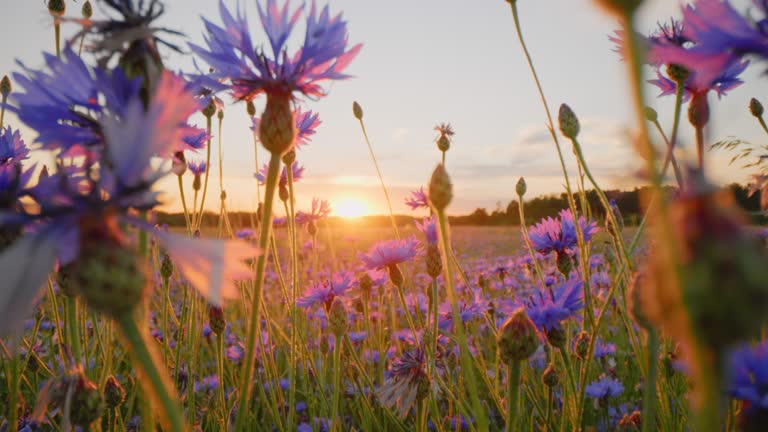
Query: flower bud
[581, 346]
[620, 7]
[357, 110]
[87, 10]
[288, 159]
[312, 228]
[440, 188]
[651, 115]
[57, 8]
[250, 108]
[166, 268]
[443, 143]
[277, 128]
[338, 321]
[756, 108]
[434, 261]
[87, 403]
[698, 110]
[223, 195]
[521, 187]
[114, 394]
[556, 337]
[395, 275]
[282, 192]
[179, 164]
[196, 183]
[564, 263]
[220, 114]
[550, 376]
[679, 74]
[517, 339]
[216, 320]
[569, 123]
[5, 87]
[210, 109]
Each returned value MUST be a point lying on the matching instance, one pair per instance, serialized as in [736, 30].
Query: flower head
[198, 168]
[320, 210]
[325, 291]
[548, 308]
[298, 173]
[429, 228]
[604, 388]
[251, 71]
[748, 375]
[418, 199]
[306, 125]
[12, 147]
[390, 252]
[559, 235]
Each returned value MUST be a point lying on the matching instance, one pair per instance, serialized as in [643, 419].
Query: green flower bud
[312, 228]
[677, 73]
[220, 114]
[357, 110]
[434, 261]
[521, 187]
[651, 115]
[57, 7]
[210, 109]
[289, 158]
[582, 345]
[569, 123]
[338, 321]
[282, 192]
[517, 339]
[114, 394]
[87, 402]
[395, 275]
[87, 10]
[216, 320]
[443, 143]
[366, 284]
[5, 86]
[166, 268]
[179, 164]
[550, 376]
[440, 188]
[756, 108]
[564, 263]
[277, 128]
[556, 337]
[250, 108]
[223, 195]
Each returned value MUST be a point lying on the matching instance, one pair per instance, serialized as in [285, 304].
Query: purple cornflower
[320, 210]
[298, 173]
[207, 384]
[418, 199]
[429, 228]
[72, 221]
[198, 168]
[388, 253]
[604, 388]
[12, 147]
[559, 235]
[306, 125]
[250, 70]
[748, 376]
[548, 308]
[603, 349]
[324, 292]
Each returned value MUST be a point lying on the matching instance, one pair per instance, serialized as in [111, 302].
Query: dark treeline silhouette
[628, 202]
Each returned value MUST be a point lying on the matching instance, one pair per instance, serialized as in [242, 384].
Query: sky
[425, 62]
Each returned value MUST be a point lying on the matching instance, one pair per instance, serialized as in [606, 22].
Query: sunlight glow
[350, 207]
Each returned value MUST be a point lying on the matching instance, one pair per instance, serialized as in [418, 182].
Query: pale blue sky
[430, 61]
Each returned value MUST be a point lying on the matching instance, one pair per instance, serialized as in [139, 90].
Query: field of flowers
[285, 322]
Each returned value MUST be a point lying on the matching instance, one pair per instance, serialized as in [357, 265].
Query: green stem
[2, 110]
[246, 377]
[513, 394]
[524, 229]
[73, 332]
[759, 119]
[649, 392]
[222, 387]
[209, 126]
[291, 207]
[156, 384]
[184, 205]
[669, 158]
[381, 179]
[335, 418]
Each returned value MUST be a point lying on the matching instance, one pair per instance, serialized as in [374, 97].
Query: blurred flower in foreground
[747, 372]
[418, 199]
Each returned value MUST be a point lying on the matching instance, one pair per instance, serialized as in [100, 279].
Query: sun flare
[350, 207]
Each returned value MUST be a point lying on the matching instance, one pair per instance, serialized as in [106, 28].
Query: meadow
[289, 321]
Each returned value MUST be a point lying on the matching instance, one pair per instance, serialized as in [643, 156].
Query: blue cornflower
[429, 228]
[207, 384]
[418, 199]
[198, 168]
[12, 147]
[320, 210]
[748, 375]
[604, 388]
[74, 220]
[603, 349]
[388, 253]
[559, 235]
[324, 292]
[548, 308]
[250, 70]
[298, 173]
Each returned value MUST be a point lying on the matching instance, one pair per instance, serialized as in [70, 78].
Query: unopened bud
[651, 115]
[443, 143]
[220, 114]
[282, 192]
[357, 110]
[5, 86]
[223, 195]
[756, 108]
[209, 109]
[312, 228]
[289, 158]
[250, 108]
[556, 337]
[581, 346]
[216, 320]
[179, 164]
[277, 128]
[166, 268]
[338, 321]
[366, 284]
[57, 7]
[550, 376]
[517, 339]
[434, 261]
[114, 393]
[698, 110]
[679, 74]
[521, 188]
[395, 275]
[440, 188]
[87, 10]
[569, 123]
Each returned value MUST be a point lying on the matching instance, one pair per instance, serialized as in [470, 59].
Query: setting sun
[350, 207]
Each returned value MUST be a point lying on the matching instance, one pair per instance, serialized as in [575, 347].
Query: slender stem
[335, 418]
[201, 213]
[649, 392]
[2, 110]
[291, 207]
[709, 407]
[156, 384]
[700, 146]
[669, 158]
[246, 377]
[73, 332]
[220, 371]
[759, 119]
[381, 179]
[524, 229]
[513, 393]
[57, 36]
[184, 205]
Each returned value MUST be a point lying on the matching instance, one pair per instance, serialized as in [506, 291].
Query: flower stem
[381, 179]
[265, 233]
[336, 418]
[184, 205]
[649, 392]
[156, 384]
[294, 294]
[513, 394]
[201, 213]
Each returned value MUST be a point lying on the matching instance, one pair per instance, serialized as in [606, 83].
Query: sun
[350, 207]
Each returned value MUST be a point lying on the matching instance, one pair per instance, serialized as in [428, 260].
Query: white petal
[211, 265]
[24, 267]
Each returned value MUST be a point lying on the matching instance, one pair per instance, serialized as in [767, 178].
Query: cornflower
[559, 236]
[604, 388]
[418, 199]
[298, 173]
[549, 308]
[747, 373]
[389, 253]
[306, 126]
[324, 292]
